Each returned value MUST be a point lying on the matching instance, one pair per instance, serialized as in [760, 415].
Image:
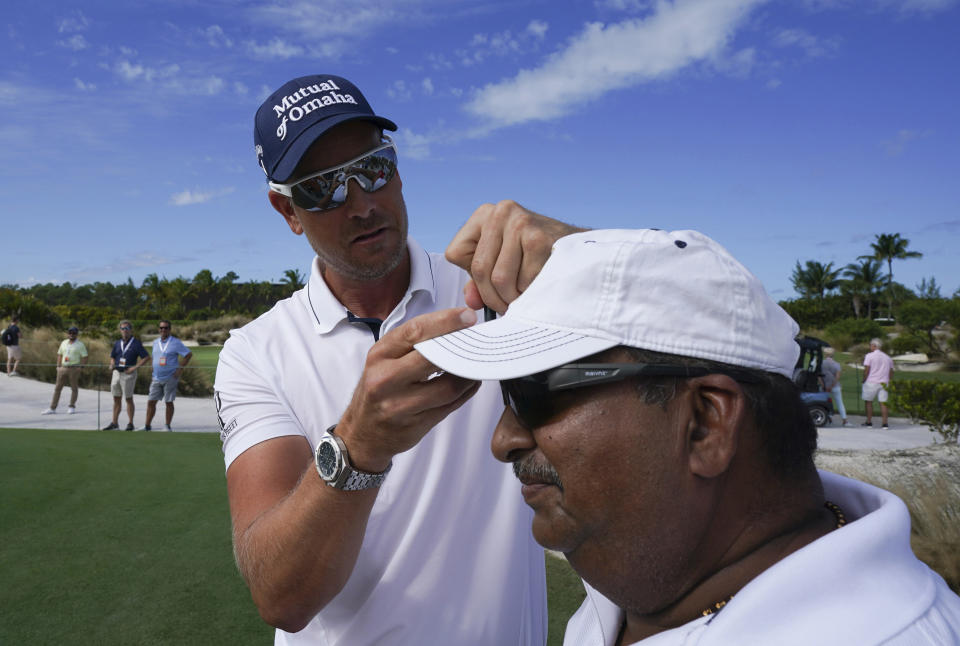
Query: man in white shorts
[127, 355]
[877, 370]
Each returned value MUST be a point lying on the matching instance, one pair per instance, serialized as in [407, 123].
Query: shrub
[905, 344]
[934, 403]
[859, 330]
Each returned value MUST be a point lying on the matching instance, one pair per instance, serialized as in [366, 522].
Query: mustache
[530, 469]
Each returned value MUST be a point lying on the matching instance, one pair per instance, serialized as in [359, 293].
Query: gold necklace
[841, 521]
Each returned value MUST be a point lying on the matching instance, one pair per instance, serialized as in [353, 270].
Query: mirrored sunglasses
[327, 189]
[125, 327]
[534, 398]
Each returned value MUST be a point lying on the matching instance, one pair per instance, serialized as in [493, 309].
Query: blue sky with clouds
[786, 130]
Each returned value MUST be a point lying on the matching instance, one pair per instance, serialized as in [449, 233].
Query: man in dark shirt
[11, 339]
[127, 355]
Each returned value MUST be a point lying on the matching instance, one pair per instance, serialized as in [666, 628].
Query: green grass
[206, 356]
[851, 380]
[120, 538]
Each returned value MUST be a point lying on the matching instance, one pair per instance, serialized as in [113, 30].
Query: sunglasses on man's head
[327, 189]
[533, 403]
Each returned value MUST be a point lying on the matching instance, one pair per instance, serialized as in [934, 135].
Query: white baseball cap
[677, 292]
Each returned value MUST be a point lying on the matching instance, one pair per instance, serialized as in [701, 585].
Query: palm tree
[862, 281]
[889, 246]
[293, 279]
[815, 279]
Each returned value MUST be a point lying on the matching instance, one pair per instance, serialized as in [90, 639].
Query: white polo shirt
[448, 556]
[860, 584]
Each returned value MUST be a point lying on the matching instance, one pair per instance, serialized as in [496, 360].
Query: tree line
[852, 301]
[203, 297]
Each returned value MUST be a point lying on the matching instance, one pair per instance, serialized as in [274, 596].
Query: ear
[284, 207]
[718, 412]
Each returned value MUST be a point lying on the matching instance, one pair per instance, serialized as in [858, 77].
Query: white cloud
[275, 49]
[903, 6]
[198, 196]
[813, 46]
[773, 84]
[623, 5]
[537, 29]
[413, 145]
[216, 37]
[71, 24]
[321, 19]
[76, 42]
[505, 43]
[133, 72]
[427, 86]
[608, 57]
[399, 91]
[84, 87]
[898, 144]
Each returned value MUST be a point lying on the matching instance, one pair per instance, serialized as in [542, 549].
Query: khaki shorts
[122, 384]
[873, 391]
[14, 352]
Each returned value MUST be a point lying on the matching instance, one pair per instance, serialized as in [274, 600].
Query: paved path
[21, 401]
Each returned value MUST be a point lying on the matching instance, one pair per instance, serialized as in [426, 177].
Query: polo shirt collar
[327, 311]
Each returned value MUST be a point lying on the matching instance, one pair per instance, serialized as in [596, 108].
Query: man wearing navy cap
[366, 507]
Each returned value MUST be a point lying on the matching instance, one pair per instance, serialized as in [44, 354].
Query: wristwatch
[333, 465]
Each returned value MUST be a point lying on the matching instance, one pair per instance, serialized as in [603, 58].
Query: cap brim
[288, 163]
[508, 348]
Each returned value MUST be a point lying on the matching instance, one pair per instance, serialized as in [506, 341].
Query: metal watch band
[348, 478]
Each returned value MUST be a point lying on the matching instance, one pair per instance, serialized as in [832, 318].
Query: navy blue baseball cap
[298, 113]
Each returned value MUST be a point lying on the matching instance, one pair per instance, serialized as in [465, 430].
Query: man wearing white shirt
[665, 451]
[366, 507]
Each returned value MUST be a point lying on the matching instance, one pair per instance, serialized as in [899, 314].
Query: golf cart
[807, 374]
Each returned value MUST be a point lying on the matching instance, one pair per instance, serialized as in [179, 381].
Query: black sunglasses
[164, 327]
[533, 403]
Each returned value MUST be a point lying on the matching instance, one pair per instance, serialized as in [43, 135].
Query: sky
[787, 131]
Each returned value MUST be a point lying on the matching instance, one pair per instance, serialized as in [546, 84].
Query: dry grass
[927, 479]
[40, 362]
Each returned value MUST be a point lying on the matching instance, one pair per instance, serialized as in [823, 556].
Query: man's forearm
[298, 555]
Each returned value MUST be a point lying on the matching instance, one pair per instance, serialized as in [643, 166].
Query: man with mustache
[354, 522]
[658, 438]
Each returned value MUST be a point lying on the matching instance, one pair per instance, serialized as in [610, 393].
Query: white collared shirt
[448, 556]
[860, 584]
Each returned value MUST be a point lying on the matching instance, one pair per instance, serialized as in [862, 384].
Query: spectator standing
[11, 339]
[831, 382]
[170, 357]
[877, 371]
[127, 355]
[71, 357]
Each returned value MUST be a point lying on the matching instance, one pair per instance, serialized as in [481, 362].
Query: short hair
[828, 351]
[788, 435]
[876, 342]
[165, 321]
[125, 321]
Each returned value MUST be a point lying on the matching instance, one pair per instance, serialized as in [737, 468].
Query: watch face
[327, 460]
